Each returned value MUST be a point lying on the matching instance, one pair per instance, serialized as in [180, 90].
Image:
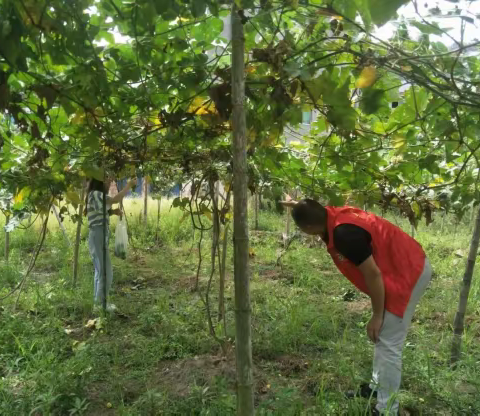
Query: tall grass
[309, 344]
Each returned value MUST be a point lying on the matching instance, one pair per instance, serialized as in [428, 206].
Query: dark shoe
[364, 391]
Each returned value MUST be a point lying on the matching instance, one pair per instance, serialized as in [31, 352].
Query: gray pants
[95, 244]
[387, 360]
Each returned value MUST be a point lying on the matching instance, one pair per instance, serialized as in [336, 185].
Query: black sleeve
[353, 242]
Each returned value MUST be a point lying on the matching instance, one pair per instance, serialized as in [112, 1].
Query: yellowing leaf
[21, 195]
[208, 214]
[73, 197]
[251, 135]
[78, 118]
[326, 12]
[416, 208]
[406, 68]
[367, 77]
[96, 323]
[199, 106]
[398, 141]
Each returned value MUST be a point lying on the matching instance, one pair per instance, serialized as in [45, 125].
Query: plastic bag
[121, 239]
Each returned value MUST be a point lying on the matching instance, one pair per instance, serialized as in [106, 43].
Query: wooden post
[159, 205]
[77, 237]
[7, 235]
[458, 324]
[145, 201]
[287, 227]
[243, 339]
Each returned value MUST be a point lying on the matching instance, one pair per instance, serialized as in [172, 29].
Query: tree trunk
[243, 340]
[145, 201]
[77, 237]
[260, 202]
[443, 221]
[7, 236]
[412, 231]
[462, 303]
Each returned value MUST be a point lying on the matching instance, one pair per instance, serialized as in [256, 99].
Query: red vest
[398, 256]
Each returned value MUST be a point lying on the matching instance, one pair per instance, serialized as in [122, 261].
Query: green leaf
[429, 163]
[364, 11]
[384, 10]
[107, 36]
[432, 29]
[371, 100]
[198, 8]
[347, 9]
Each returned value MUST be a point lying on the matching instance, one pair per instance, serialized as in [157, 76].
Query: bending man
[386, 264]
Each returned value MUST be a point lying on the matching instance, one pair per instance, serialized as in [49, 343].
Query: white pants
[387, 360]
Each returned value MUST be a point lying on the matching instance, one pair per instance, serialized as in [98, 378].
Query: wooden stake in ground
[243, 341]
[77, 237]
[159, 205]
[465, 290]
[145, 201]
[287, 226]
[7, 236]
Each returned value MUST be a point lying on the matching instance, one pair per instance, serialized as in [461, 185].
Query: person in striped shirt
[94, 213]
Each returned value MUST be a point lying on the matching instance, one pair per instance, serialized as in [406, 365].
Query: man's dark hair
[309, 212]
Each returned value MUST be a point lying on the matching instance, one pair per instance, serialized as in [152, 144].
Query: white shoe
[111, 307]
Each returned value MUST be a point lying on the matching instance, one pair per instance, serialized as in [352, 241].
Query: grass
[157, 358]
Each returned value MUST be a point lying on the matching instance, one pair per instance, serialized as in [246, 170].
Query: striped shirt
[95, 209]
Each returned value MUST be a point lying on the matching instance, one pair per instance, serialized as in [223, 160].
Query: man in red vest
[386, 264]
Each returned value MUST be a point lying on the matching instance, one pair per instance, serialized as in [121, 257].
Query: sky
[468, 8]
